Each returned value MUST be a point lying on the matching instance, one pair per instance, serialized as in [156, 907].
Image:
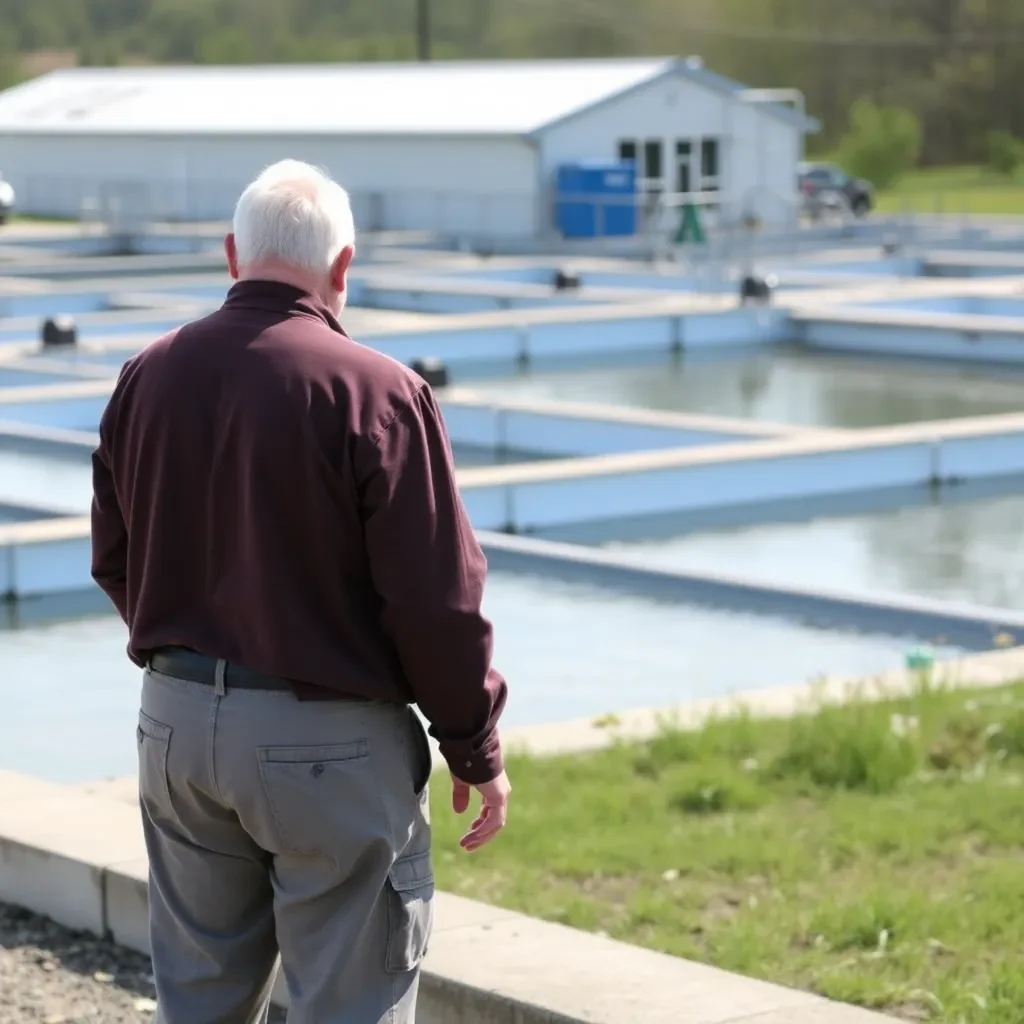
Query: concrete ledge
[23, 437]
[624, 414]
[967, 626]
[56, 846]
[100, 389]
[76, 857]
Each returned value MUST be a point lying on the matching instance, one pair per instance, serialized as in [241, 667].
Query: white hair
[296, 214]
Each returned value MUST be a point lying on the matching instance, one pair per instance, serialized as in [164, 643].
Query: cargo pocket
[154, 742]
[410, 895]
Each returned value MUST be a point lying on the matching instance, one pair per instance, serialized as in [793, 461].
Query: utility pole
[423, 29]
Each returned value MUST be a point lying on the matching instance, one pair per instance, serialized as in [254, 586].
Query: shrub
[961, 742]
[882, 144]
[1007, 736]
[731, 737]
[1005, 152]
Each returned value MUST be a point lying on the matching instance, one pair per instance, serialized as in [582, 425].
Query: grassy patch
[28, 218]
[871, 852]
[966, 190]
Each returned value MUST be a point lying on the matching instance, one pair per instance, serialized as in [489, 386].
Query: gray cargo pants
[274, 824]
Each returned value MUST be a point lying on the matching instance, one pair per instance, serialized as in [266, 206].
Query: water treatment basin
[960, 544]
[785, 385]
[568, 650]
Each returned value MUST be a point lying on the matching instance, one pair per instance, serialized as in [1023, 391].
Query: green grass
[967, 190]
[29, 218]
[870, 852]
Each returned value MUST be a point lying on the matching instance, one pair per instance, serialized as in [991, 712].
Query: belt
[181, 663]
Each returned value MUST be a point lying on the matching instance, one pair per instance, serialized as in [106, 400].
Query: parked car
[826, 186]
[6, 201]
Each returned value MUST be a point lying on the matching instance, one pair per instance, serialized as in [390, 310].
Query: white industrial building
[460, 148]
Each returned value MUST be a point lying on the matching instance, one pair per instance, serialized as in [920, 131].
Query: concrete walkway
[79, 858]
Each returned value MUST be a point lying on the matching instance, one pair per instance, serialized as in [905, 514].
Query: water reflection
[786, 385]
[958, 544]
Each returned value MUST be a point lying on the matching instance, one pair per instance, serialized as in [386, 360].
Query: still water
[962, 544]
[784, 386]
[60, 483]
[69, 693]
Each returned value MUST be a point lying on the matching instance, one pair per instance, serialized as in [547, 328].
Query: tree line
[955, 64]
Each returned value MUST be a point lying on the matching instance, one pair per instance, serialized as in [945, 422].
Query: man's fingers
[460, 796]
[493, 814]
[485, 828]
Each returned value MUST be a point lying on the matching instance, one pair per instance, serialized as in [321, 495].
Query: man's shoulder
[318, 351]
[152, 352]
[378, 387]
[380, 369]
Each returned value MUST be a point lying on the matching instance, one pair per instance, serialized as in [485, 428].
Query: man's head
[294, 225]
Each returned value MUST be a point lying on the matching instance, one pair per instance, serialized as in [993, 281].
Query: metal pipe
[793, 96]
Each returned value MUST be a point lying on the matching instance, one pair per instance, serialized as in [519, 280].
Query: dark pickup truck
[825, 186]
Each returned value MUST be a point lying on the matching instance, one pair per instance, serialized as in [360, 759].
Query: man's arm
[109, 535]
[429, 571]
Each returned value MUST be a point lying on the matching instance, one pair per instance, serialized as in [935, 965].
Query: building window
[653, 170]
[627, 151]
[709, 169]
[684, 154]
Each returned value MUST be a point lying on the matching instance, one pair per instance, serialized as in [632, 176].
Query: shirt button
[469, 764]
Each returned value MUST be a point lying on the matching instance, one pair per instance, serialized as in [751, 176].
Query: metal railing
[737, 228]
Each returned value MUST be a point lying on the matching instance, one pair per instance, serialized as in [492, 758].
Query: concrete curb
[968, 626]
[78, 858]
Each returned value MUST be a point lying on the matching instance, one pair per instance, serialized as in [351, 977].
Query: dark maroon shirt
[269, 492]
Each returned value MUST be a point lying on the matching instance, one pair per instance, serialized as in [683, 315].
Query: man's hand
[493, 813]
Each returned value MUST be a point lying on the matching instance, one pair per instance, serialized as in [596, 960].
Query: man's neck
[281, 273]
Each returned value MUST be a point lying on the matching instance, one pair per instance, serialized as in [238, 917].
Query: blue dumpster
[596, 200]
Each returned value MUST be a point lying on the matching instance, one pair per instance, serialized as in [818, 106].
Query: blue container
[596, 200]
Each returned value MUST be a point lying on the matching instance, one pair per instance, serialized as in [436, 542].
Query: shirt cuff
[475, 763]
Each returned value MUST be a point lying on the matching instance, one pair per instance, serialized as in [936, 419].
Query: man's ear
[339, 268]
[231, 251]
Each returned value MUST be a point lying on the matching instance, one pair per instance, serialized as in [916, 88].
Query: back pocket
[410, 896]
[323, 800]
[154, 742]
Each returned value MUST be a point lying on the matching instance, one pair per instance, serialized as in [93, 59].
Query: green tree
[882, 144]
[1005, 152]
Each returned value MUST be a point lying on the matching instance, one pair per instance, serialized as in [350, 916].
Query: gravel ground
[49, 975]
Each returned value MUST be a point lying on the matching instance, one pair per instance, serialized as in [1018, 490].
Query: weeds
[869, 852]
[713, 792]
[857, 747]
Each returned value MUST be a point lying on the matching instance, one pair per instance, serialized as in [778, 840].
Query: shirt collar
[277, 297]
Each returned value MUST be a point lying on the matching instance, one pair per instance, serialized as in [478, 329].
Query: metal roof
[454, 98]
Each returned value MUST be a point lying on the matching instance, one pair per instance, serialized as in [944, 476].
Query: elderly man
[277, 521]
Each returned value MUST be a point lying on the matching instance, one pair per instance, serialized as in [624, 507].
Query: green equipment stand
[690, 227]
